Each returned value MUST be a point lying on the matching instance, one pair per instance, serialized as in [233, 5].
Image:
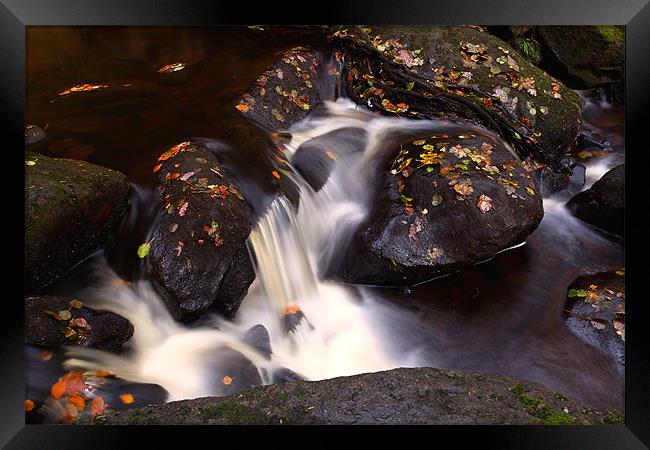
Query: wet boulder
[603, 205]
[587, 56]
[443, 203]
[232, 371]
[55, 321]
[71, 209]
[460, 72]
[399, 396]
[595, 312]
[198, 254]
[286, 92]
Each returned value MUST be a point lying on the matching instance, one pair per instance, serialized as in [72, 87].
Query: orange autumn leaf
[291, 309]
[77, 401]
[45, 356]
[276, 174]
[330, 154]
[157, 168]
[58, 388]
[29, 405]
[127, 398]
[74, 383]
[102, 373]
[242, 108]
[83, 88]
[172, 151]
[227, 380]
[97, 406]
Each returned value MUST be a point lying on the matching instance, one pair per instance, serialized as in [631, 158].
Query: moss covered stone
[71, 208]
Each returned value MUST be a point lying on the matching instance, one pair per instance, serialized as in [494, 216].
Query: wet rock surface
[285, 92]
[595, 311]
[460, 72]
[443, 203]
[398, 396]
[72, 207]
[589, 55]
[74, 326]
[197, 256]
[603, 205]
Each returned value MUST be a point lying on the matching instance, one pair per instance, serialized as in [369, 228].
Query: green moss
[614, 417]
[234, 412]
[611, 33]
[541, 409]
[561, 396]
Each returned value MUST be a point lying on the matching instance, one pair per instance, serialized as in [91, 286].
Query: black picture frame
[15, 15]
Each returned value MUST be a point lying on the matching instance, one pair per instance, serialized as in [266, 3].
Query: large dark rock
[595, 311]
[603, 205]
[442, 204]
[398, 396]
[98, 329]
[285, 92]
[460, 72]
[198, 256]
[71, 209]
[589, 55]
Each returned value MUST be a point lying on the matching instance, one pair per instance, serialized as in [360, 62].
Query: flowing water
[502, 316]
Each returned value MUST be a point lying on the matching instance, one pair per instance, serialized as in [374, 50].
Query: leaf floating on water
[243, 108]
[484, 203]
[83, 88]
[174, 67]
[127, 398]
[227, 380]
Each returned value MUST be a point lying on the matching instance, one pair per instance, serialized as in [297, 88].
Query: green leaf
[409, 86]
[572, 293]
[429, 169]
[581, 293]
[143, 250]
[405, 199]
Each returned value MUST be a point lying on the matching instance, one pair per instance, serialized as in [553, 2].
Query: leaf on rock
[227, 380]
[127, 398]
[76, 304]
[29, 405]
[598, 324]
[243, 108]
[484, 203]
[97, 406]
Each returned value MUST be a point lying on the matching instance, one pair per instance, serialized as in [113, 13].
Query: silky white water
[344, 330]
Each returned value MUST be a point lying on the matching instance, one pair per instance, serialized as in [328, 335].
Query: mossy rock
[71, 209]
[460, 72]
[590, 55]
[398, 396]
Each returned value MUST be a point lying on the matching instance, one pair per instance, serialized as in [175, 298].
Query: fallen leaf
[183, 209]
[64, 315]
[29, 405]
[83, 88]
[241, 107]
[330, 155]
[174, 67]
[76, 304]
[79, 322]
[77, 401]
[143, 250]
[157, 168]
[30, 163]
[598, 324]
[436, 199]
[58, 388]
[227, 380]
[127, 398]
[45, 356]
[484, 203]
[97, 406]
[276, 174]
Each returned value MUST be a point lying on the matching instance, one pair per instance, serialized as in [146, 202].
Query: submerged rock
[442, 204]
[398, 396]
[285, 92]
[73, 326]
[595, 311]
[603, 205]
[460, 72]
[198, 256]
[589, 55]
[71, 209]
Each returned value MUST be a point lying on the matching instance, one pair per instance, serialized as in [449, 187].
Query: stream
[501, 316]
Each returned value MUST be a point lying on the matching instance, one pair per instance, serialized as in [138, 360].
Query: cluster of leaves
[397, 51]
[73, 394]
[305, 65]
[76, 329]
[602, 298]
